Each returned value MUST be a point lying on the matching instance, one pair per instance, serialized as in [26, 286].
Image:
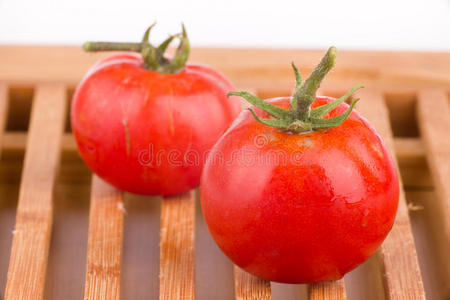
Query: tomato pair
[299, 189]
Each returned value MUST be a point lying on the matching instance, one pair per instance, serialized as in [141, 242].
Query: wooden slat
[410, 149]
[434, 117]
[29, 253]
[3, 110]
[398, 256]
[249, 287]
[252, 67]
[16, 141]
[328, 290]
[104, 254]
[177, 247]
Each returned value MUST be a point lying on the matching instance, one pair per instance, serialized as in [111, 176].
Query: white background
[348, 24]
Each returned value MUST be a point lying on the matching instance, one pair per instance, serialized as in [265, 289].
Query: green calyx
[154, 58]
[300, 117]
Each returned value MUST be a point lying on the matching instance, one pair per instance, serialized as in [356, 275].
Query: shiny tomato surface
[147, 132]
[299, 208]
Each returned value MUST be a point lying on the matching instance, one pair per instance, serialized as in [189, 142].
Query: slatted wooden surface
[119, 253]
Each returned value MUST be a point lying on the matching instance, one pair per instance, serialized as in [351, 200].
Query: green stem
[153, 56]
[306, 95]
[111, 46]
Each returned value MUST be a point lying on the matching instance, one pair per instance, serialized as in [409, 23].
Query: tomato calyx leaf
[277, 123]
[153, 57]
[322, 110]
[271, 109]
[300, 117]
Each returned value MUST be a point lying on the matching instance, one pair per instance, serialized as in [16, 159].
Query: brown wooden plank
[410, 149]
[17, 140]
[3, 110]
[328, 290]
[252, 67]
[249, 287]
[104, 254]
[398, 256]
[177, 247]
[434, 116]
[410, 153]
[6, 207]
[29, 253]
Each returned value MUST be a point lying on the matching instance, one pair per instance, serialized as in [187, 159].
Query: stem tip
[87, 46]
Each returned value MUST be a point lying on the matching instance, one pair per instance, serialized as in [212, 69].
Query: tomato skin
[147, 132]
[312, 215]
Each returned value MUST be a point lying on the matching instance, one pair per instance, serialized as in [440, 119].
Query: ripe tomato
[147, 131]
[299, 207]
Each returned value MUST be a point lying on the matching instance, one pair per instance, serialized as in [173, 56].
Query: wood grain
[249, 287]
[104, 254]
[177, 247]
[434, 115]
[29, 253]
[398, 256]
[328, 290]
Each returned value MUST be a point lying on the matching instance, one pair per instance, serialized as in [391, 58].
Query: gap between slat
[177, 247]
[398, 256]
[29, 252]
[104, 254]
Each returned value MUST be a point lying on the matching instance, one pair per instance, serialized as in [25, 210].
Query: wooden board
[104, 258]
[29, 253]
[406, 99]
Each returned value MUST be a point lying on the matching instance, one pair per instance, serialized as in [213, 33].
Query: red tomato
[299, 208]
[148, 132]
